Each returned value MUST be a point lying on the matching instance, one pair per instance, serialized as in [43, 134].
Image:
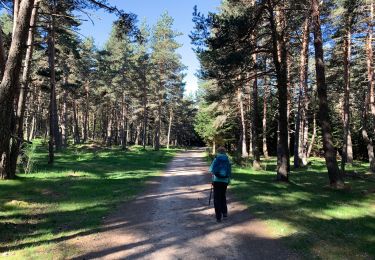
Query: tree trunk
[255, 116]
[158, 124]
[25, 82]
[124, 123]
[16, 8]
[279, 52]
[169, 127]
[54, 134]
[244, 153]
[255, 112]
[86, 113]
[300, 149]
[93, 126]
[31, 134]
[109, 129]
[9, 83]
[335, 176]
[311, 145]
[369, 146]
[64, 120]
[144, 134]
[2, 54]
[347, 151]
[250, 124]
[264, 121]
[297, 135]
[77, 138]
[371, 86]
[303, 73]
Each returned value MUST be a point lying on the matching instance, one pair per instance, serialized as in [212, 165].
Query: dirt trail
[172, 220]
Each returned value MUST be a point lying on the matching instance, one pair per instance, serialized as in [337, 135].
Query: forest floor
[108, 203]
[42, 210]
[309, 216]
[172, 220]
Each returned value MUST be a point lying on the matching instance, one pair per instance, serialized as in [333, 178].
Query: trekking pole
[209, 201]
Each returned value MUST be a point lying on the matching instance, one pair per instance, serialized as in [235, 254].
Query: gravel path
[172, 220]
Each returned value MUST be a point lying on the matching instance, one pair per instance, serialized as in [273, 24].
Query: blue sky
[180, 10]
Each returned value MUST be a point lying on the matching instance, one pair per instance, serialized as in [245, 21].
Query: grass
[39, 211]
[307, 215]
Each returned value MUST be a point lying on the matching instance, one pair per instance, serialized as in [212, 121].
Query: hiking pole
[209, 201]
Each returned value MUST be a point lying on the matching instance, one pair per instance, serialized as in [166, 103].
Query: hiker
[221, 172]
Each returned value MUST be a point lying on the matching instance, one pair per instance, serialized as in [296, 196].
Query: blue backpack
[220, 168]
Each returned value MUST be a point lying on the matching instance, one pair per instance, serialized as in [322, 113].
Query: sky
[180, 10]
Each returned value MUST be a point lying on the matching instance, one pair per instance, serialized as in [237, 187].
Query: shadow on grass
[72, 196]
[320, 222]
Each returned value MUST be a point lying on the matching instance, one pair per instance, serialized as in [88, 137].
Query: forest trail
[172, 220]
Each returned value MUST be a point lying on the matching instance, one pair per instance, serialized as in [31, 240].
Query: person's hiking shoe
[225, 215]
[218, 220]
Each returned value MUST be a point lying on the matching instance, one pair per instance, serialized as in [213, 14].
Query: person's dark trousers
[220, 199]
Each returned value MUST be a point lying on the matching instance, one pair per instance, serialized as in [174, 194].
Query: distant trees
[58, 86]
[268, 45]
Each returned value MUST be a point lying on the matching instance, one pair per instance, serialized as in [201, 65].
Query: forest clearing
[122, 124]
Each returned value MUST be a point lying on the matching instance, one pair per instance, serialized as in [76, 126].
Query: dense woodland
[289, 77]
[57, 85]
[278, 78]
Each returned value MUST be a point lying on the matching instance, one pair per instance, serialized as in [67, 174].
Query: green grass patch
[41, 210]
[310, 217]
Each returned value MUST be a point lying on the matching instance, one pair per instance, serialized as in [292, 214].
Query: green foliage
[41, 210]
[319, 222]
[204, 124]
[27, 156]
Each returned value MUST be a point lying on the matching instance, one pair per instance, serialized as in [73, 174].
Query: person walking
[221, 171]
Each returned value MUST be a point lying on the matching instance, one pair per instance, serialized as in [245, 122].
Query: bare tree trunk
[371, 86]
[169, 127]
[255, 112]
[369, 146]
[77, 138]
[256, 153]
[127, 133]
[335, 176]
[304, 97]
[144, 134]
[9, 83]
[301, 118]
[370, 61]
[280, 61]
[25, 82]
[54, 138]
[31, 134]
[93, 136]
[311, 145]
[244, 153]
[250, 122]
[124, 141]
[64, 120]
[264, 121]
[16, 8]
[86, 112]
[36, 114]
[158, 125]
[297, 134]
[289, 88]
[109, 128]
[2, 54]
[347, 152]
